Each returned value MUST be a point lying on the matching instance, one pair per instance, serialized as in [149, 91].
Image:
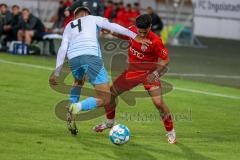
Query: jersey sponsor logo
[136, 53]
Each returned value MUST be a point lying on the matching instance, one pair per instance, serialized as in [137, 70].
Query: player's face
[143, 32]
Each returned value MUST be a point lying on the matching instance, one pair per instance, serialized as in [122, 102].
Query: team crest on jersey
[164, 52]
[144, 48]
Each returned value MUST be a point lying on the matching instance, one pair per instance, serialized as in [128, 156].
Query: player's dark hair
[81, 9]
[144, 21]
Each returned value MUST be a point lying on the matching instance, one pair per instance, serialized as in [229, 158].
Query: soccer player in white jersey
[80, 44]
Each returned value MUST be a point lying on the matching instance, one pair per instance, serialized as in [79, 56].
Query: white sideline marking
[207, 93]
[203, 75]
[27, 65]
[176, 88]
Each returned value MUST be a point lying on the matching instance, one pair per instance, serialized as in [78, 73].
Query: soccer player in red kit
[143, 69]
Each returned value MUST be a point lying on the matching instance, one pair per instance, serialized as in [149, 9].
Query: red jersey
[108, 12]
[132, 17]
[143, 60]
[127, 18]
[120, 17]
[139, 53]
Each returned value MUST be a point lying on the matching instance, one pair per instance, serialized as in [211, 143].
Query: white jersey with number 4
[80, 37]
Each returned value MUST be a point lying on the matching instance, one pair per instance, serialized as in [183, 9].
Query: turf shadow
[130, 151]
[191, 154]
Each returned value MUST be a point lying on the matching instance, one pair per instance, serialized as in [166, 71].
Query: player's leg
[110, 113]
[99, 79]
[78, 73]
[102, 98]
[156, 94]
[74, 98]
[120, 85]
[76, 90]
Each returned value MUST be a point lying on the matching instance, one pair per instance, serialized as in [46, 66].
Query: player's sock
[75, 94]
[87, 104]
[110, 112]
[168, 122]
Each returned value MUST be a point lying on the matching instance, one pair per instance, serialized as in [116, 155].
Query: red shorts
[129, 79]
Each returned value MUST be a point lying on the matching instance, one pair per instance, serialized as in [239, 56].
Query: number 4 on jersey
[77, 25]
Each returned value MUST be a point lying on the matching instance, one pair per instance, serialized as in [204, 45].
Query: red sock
[110, 112]
[168, 122]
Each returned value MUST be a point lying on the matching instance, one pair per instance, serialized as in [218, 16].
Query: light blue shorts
[89, 65]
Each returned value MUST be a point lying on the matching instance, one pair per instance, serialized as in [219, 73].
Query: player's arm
[120, 36]
[115, 34]
[161, 68]
[113, 27]
[60, 57]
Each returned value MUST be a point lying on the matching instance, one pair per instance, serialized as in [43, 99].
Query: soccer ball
[119, 134]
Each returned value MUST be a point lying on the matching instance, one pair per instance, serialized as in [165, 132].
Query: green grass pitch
[207, 125]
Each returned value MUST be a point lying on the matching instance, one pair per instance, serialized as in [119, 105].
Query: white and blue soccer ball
[119, 134]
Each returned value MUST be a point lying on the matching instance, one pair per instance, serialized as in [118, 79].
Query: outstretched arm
[113, 27]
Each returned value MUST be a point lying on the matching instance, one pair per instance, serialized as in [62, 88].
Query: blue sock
[89, 104]
[75, 94]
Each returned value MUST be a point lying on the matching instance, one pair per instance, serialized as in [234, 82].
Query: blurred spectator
[68, 3]
[120, 14]
[59, 19]
[134, 13]
[6, 18]
[157, 24]
[15, 21]
[121, 6]
[31, 27]
[114, 12]
[5, 22]
[108, 10]
[127, 15]
[61, 10]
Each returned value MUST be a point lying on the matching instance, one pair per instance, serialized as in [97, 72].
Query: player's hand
[143, 41]
[105, 31]
[53, 80]
[153, 77]
[66, 13]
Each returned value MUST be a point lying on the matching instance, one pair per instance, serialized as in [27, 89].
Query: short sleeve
[160, 50]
